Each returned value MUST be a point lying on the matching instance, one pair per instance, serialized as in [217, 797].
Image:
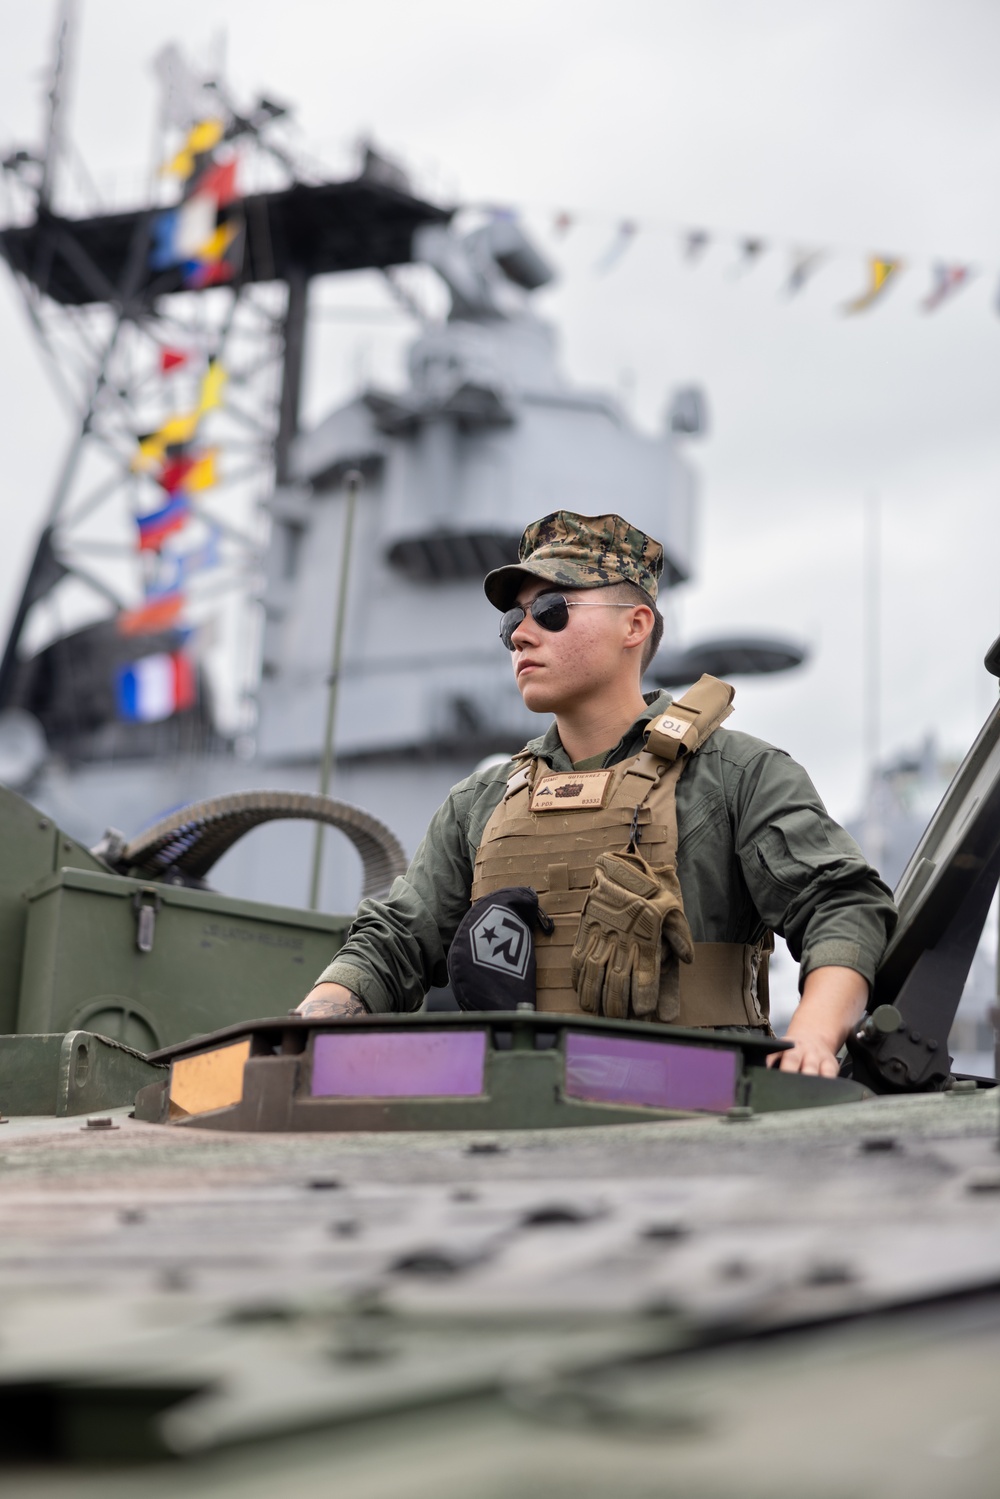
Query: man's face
[557, 671]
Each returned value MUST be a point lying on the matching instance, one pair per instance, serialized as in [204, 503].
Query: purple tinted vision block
[653, 1074]
[414, 1064]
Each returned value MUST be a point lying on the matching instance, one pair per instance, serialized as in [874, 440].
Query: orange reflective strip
[211, 1080]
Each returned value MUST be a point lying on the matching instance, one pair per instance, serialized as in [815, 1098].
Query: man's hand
[811, 1055]
[330, 1002]
[833, 1002]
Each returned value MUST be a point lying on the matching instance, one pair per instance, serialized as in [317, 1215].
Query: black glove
[491, 963]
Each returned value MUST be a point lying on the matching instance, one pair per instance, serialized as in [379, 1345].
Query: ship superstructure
[487, 436]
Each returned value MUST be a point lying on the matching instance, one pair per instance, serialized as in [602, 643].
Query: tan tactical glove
[632, 913]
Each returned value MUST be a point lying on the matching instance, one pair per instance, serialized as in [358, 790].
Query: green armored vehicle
[451, 1254]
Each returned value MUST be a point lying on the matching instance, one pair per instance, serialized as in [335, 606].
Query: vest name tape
[570, 791]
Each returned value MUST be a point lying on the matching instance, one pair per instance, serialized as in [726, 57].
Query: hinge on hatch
[145, 904]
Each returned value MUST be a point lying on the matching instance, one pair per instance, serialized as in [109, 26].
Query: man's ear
[640, 627]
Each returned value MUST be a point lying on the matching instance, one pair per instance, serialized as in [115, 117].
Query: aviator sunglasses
[551, 611]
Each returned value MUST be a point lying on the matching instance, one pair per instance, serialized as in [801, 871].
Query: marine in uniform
[658, 851]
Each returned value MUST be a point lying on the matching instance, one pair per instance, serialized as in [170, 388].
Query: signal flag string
[805, 262]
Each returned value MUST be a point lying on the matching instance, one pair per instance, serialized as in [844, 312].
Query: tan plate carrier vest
[555, 853]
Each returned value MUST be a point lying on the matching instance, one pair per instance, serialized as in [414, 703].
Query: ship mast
[103, 310]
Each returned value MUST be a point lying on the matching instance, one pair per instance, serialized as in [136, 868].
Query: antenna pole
[53, 136]
[354, 481]
[291, 383]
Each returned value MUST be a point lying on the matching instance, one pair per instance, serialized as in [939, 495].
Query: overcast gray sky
[861, 126]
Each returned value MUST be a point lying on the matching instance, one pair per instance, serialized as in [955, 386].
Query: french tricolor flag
[156, 687]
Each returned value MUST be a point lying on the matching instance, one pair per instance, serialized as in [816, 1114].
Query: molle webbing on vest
[556, 852]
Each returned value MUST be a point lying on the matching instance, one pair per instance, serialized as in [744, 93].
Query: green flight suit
[757, 850]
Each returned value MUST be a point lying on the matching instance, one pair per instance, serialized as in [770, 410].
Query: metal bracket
[145, 904]
[914, 1055]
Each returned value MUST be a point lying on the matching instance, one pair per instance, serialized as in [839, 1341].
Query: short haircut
[631, 593]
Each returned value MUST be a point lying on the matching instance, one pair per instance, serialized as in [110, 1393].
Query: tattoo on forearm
[329, 1009]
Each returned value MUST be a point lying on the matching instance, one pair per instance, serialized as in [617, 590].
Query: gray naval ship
[486, 435]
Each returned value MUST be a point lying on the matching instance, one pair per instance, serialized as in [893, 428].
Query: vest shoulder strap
[680, 731]
[691, 720]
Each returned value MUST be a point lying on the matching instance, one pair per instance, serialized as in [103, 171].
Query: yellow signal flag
[203, 473]
[215, 248]
[201, 138]
[174, 433]
[212, 387]
[881, 270]
[150, 454]
[205, 136]
[178, 430]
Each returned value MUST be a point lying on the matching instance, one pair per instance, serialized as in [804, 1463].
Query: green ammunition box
[152, 964]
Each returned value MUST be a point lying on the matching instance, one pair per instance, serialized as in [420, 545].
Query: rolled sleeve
[360, 981]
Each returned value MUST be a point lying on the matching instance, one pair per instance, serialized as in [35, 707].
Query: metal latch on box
[145, 904]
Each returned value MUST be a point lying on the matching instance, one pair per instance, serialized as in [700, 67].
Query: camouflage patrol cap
[579, 551]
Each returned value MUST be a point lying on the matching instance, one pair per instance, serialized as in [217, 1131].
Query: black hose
[189, 842]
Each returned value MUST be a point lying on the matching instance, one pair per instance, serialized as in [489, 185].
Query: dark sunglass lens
[509, 624]
[551, 611]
